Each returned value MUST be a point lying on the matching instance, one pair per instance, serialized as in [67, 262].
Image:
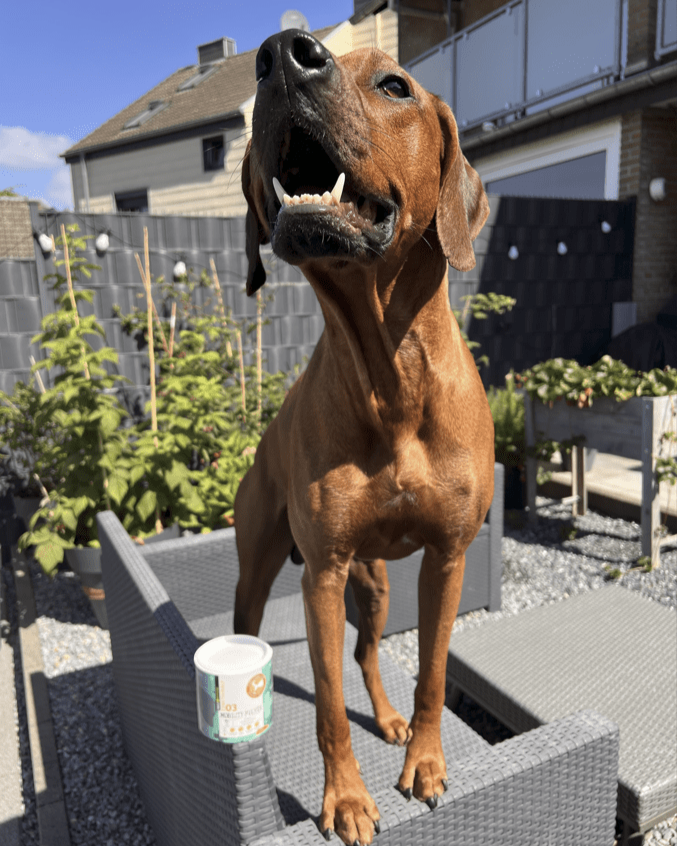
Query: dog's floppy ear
[462, 207]
[254, 234]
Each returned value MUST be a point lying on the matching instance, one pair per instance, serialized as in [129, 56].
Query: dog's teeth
[325, 199]
[337, 190]
[287, 200]
[279, 190]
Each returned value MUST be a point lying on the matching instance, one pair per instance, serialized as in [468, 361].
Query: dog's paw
[424, 774]
[395, 729]
[349, 812]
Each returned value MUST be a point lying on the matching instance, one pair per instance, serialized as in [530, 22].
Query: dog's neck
[385, 337]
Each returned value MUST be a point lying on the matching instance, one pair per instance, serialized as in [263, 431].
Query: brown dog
[385, 445]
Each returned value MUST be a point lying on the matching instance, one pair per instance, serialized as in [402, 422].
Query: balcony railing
[666, 27]
[527, 56]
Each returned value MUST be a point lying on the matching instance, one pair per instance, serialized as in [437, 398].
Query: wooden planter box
[632, 429]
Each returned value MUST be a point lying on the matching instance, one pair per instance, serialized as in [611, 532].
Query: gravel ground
[558, 558]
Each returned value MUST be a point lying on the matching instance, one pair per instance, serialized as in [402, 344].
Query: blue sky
[65, 69]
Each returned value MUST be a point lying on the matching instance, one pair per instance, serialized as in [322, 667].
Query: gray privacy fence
[564, 301]
[294, 318]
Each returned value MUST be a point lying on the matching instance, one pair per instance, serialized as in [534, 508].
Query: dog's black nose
[295, 53]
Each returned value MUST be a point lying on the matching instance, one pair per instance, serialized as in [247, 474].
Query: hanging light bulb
[102, 243]
[45, 242]
[179, 270]
[513, 252]
[606, 227]
[562, 248]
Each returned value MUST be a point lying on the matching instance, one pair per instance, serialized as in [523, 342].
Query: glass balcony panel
[669, 29]
[563, 98]
[569, 41]
[435, 72]
[489, 66]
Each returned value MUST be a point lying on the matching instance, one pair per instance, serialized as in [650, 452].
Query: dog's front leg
[439, 593]
[347, 808]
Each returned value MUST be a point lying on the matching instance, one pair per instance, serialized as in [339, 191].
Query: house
[572, 100]
[178, 149]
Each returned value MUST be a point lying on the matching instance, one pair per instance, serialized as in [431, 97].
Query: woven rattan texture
[214, 559]
[611, 650]
[155, 685]
[556, 785]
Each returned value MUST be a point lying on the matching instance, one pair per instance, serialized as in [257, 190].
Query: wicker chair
[555, 785]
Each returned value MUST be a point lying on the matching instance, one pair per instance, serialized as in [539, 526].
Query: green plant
[507, 411]
[565, 379]
[24, 440]
[184, 463]
[480, 306]
[82, 412]
[210, 409]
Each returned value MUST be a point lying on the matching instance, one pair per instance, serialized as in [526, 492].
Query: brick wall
[16, 235]
[641, 34]
[476, 9]
[649, 150]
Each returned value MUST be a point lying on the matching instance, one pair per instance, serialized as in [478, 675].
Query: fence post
[651, 506]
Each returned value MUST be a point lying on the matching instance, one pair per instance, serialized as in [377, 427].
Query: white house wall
[173, 175]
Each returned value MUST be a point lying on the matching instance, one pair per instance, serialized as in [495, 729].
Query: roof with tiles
[219, 95]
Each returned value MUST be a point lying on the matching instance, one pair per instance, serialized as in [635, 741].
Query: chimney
[216, 51]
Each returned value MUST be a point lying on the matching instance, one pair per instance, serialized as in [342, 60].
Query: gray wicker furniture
[481, 582]
[554, 785]
[611, 650]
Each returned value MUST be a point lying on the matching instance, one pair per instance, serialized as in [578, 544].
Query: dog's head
[351, 161]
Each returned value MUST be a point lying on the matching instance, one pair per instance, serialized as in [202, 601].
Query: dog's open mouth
[320, 211]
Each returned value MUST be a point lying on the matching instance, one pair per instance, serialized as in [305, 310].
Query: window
[581, 178]
[203, 73]
[151, 109]
[213, 153]
[583, 163]
[132, 201]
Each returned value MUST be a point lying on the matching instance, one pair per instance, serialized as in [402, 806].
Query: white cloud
[21, 149]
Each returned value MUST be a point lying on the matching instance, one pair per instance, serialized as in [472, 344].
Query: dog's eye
[393, 86]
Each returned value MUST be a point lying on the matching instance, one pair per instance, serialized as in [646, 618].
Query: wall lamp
[657, 190]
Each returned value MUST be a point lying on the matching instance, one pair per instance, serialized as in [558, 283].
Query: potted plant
[507, 411]
[612, 408]
[23, 445]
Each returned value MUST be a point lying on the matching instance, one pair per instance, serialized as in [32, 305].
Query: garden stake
[238, 338]
[229, 348]
[77, 323]
[41, 384]
[70, 288]
[172, 326]
[145, 277]
[155, 314]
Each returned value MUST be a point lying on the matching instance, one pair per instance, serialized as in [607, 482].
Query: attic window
[151, 109]
[197, 78]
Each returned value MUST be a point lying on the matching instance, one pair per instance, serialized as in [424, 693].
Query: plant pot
[85, 562]
[25, 507]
